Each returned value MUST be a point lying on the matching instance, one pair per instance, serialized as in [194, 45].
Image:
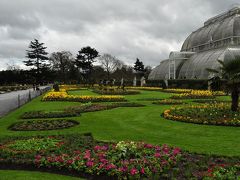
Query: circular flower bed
[212, 114]
[40, 125]
[168, 102]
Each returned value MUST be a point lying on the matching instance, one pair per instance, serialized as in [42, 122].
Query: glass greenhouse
[219, 38]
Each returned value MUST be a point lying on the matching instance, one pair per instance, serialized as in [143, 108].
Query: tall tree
[230, 71]
[139, 67]
[62, 62]
[110, 63]
[84, 61]
[37, 57]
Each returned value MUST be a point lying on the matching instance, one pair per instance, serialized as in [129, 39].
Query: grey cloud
[147, 29]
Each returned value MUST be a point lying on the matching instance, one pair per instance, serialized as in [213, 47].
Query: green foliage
[34, 144]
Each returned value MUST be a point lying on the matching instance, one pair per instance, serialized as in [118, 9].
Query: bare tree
[110, 63]
[61, 62]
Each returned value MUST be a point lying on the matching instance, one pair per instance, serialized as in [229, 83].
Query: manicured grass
[137, 123]
[30, 175]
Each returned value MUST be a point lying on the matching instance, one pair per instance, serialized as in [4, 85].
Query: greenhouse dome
[219, 38]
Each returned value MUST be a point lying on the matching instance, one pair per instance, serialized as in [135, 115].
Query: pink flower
[142, 170]
[89, 164]
[122, 169]
[110, 166]
[102, 160]
[133, 171]
[157, 155]
[87, 154]
[176, 151]
[97, 148]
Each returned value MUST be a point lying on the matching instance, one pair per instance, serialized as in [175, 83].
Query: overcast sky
[147, 29]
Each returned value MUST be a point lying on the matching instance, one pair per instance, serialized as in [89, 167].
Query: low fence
[16, 100]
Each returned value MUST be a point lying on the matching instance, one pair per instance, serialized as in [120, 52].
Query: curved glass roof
[219, 38]
[215, 30]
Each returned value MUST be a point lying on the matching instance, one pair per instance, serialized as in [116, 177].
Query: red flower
[38, 157]
[148, 146]
[133, 171]
[77, 152]
[70, 161]
[176, 151]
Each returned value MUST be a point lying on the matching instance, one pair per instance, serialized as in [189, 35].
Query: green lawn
[30, 175]
[139, 124]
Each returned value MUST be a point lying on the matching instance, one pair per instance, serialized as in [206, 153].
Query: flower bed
[54, 114]
[211, 114]
[81, 155]
[210, 101]
[89, 107]
[177, 90]
[62, 95]
[144, 88]
[222, 171]
[41, 125]
[168, 102]
[122, 160]
[186, 91]
[150, 99]
[194, 94]
[115, 91]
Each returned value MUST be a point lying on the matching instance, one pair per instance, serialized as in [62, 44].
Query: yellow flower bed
[214, 114]
[195, 94]
[62, 95]
[177, 90]
[180, 91]
[144, 88]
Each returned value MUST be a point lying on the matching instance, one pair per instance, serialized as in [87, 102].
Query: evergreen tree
[36, 58]
[139, 67]
[84, 61]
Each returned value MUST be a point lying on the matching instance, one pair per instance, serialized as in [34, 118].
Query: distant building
[219, 38]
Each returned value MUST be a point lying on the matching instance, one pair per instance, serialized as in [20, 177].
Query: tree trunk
[235, 98]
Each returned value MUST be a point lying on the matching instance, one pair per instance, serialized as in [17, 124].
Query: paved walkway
[12, 100]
